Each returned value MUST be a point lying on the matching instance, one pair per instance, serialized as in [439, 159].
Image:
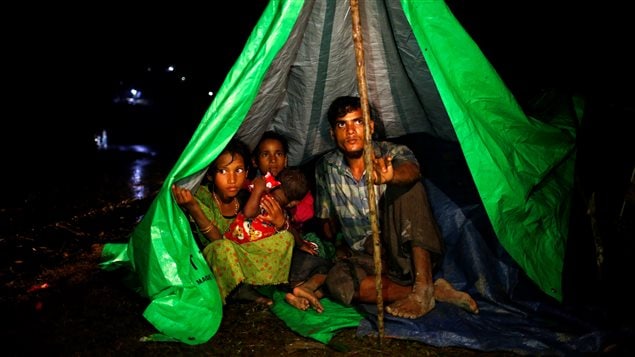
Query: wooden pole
[368, 160]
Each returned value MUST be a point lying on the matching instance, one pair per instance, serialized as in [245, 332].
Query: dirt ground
[56, 301]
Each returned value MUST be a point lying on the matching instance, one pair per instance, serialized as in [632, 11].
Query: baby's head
[293, 187]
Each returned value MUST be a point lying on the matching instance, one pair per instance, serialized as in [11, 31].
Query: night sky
[61, 67]
[55, 46]
[63, 63]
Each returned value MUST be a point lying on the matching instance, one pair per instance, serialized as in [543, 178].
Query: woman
[212, 208]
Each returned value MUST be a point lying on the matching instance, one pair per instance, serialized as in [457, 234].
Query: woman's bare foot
[299, 303]
[264, 301]
[445, 292]
[416, 304]
[246, 292]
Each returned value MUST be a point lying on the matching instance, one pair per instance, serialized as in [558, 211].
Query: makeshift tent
[425, 76]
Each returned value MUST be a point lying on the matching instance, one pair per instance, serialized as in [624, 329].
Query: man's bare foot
[299, 303]
[418, 303]
[302, 292]
[445, 292]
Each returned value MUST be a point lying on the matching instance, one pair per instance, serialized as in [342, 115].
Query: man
[410, 238]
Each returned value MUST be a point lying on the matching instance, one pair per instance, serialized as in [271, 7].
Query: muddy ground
[56, 301]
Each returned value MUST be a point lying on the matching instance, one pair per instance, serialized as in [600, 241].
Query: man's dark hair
[346, 104]
[270, 134]
[294, 183]
[342, 106]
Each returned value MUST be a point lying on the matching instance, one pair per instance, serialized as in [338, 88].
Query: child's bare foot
[299, 303]
[445, 292]
[418, 303]
[302, 292]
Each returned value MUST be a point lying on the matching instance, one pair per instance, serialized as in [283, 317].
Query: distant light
[135, 97]
[171, 69]
[183, 79]
[210, 93]
[141, 149]
[101, 140]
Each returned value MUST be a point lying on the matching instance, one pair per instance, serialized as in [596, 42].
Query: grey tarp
[425, 75]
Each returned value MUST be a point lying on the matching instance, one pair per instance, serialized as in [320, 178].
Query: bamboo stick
[368, 160]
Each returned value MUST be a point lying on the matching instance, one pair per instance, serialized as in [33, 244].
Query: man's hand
[383, 171]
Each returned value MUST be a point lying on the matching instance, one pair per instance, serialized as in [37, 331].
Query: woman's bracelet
[207, 229]
[285, 226]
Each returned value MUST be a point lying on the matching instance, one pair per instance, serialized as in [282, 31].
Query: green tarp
[425, 75]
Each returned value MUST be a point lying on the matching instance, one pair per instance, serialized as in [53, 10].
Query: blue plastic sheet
[514, 314]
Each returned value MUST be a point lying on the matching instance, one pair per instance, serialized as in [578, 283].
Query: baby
[252, 224]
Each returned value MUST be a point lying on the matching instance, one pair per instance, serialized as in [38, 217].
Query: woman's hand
[274, 212]
[207, 227]
[183, 197]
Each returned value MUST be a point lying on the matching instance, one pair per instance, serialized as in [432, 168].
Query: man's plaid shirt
[338, 194]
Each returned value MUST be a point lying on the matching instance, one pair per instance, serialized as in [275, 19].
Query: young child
[308, 265]
[289, 188]
[270, 156]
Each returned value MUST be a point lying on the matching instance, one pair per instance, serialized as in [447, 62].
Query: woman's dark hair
[234, 147]
[270, 134]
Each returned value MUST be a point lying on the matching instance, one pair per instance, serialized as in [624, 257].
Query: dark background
[65, 64]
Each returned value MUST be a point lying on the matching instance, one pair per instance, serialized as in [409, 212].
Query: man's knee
[415, 191]
[343, 280]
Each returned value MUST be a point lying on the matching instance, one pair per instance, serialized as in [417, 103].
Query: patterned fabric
[340, 195]
[299, 214]
[264, 262]
[245, 230]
